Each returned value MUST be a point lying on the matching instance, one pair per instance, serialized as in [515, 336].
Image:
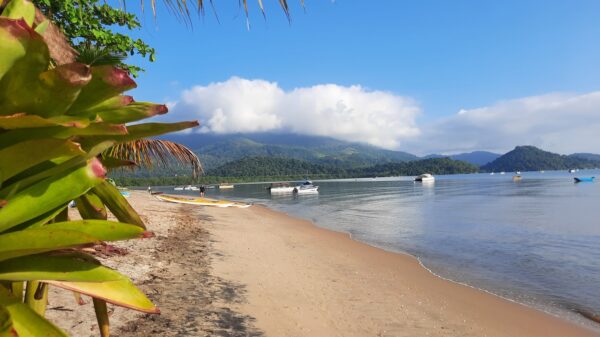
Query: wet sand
[257, 272]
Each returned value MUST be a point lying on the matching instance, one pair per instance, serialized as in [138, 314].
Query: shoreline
[575, 315]
[261, 272]
[508, 305]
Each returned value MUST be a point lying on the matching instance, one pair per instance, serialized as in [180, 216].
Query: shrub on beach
[57, 123]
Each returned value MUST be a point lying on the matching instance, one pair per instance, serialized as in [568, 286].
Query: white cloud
[560, 122]
[348, 113]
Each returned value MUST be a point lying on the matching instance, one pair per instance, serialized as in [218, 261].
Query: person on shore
[149, 189]
[202, 190]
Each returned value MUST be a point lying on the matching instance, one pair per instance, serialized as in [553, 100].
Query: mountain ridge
[531, 158]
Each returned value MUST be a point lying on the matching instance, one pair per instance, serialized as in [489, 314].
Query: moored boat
[517, 178]
[306, 187]
[225, 186]
[280, 188]
[426, 177]
[584, 179]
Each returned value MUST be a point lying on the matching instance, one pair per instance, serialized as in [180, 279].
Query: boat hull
[281, 190]
[586, 179]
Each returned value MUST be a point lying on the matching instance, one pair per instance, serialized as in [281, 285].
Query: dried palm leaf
[149, 153]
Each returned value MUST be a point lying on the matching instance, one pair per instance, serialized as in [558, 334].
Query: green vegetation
[216, 150]
[93, 25]
[269, 169]
[530, 158]
[57, 125]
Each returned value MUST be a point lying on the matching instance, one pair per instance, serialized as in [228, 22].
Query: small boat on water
[306, 187]
[280, 188]
[517, 178]
[518, 172]
[502, 172]
[426, 177]
[201, 201]
[179, 188]
[225, 186]
[492, 173]
[584, 179]
[572, 171]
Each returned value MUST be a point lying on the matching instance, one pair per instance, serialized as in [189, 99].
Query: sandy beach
[257, 272]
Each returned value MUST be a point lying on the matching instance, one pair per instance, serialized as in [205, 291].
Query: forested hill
[267, 166]
[416, 167]
[588, 156]
[271, 166]
[530, 158]
[478, 158]
[216, 150]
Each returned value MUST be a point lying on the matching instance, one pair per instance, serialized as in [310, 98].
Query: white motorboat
[280, 188]
[179, 188]
[306, 187]
[426, 177]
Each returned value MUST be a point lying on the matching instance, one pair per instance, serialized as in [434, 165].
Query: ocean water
[536, 241]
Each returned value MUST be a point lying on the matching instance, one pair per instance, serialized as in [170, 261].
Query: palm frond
[149, 153]
[94, 56]
[181, 6]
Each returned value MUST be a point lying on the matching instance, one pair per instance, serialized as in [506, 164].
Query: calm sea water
[536, 241]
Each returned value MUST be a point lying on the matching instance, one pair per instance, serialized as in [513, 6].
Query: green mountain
[530, 158]
[271, 166]
[282, 167]
[588, 156]
[416, 167]
[216, 150]
[478, 158]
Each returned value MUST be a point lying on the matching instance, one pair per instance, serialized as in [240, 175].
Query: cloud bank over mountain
[559, 122]
[347, 113]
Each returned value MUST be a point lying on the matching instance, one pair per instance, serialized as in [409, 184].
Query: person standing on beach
[202, 190]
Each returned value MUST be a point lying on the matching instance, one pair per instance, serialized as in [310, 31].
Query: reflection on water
[536, 240]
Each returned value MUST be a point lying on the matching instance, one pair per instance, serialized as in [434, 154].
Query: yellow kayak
[200, 201]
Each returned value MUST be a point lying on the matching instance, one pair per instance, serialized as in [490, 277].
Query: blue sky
[443, 55]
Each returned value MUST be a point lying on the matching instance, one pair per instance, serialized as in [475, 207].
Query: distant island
[530, 158]
[268, 157]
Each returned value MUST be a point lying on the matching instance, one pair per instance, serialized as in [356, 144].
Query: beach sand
[257, 272]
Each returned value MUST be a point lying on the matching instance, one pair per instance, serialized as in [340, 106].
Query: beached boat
[306, 187]
[280, 188]
[584, 179]
[426, 177]
[201, 201]
[225, 186]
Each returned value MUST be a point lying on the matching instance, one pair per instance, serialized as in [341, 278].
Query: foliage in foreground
[55, 125]
[93, 25]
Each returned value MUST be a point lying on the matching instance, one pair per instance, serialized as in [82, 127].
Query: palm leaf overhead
[149, 153]
[181, 6]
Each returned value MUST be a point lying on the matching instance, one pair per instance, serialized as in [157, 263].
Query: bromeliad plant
[56, 125]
